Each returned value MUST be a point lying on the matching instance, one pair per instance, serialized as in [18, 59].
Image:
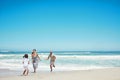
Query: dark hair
[26, 56]
[50, 53]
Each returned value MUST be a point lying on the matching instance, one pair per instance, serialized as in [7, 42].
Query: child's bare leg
[24, 72]
[27, 71]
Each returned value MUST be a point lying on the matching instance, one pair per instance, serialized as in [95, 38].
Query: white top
[25, 62]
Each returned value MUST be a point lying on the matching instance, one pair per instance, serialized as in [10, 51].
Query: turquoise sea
[66, 60]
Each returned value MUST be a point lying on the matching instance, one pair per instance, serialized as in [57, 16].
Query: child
[25, 64]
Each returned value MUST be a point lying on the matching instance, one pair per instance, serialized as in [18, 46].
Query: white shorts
[25, 67]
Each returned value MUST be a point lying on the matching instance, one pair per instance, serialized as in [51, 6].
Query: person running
[52, 60]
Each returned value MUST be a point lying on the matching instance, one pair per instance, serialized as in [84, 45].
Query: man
[52, 60]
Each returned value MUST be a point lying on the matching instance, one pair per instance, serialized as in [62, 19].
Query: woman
[35, 59]
[52, 60]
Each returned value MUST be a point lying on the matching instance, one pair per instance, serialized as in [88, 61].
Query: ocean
[65, 60]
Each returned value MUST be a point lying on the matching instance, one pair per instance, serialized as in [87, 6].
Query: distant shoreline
[117, 51]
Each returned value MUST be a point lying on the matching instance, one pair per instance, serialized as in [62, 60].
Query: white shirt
[25, 62]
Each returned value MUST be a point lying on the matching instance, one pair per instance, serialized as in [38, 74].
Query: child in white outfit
[25, 64]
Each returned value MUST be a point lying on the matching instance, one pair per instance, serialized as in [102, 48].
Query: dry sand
[97, 74]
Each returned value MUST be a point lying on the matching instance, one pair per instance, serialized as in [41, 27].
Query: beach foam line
[91, 57]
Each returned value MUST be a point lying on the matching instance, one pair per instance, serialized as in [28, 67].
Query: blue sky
[60, 24]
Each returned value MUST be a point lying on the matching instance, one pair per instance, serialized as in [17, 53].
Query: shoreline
[93, 74]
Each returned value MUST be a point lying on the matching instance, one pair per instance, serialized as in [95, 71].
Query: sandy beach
[96, 74]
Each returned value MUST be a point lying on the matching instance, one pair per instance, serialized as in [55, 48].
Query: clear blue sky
[60, 24]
